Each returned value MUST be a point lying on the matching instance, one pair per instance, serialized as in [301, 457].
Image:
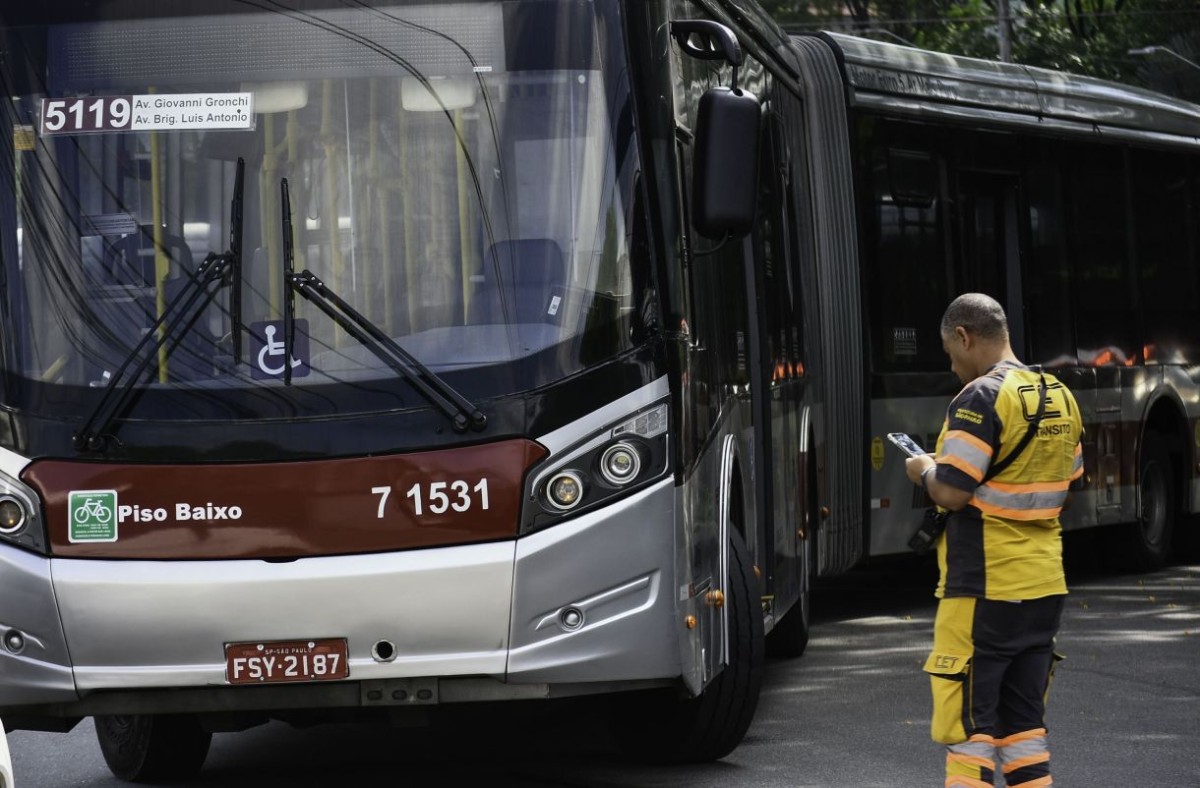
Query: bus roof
[920, 82]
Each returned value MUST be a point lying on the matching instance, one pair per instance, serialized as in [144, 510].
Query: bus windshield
[460, 174]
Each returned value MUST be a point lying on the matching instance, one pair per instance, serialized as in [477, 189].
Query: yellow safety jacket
[1006, 544]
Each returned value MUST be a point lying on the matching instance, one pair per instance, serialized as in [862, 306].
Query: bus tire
[1145, 544]
[144, 748]
[663, 728]
[789, 638]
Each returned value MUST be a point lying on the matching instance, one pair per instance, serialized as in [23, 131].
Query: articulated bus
[362, 360]
[1072, 201]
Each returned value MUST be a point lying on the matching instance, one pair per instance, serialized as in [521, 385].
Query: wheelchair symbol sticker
[267, 353]
[92, 515]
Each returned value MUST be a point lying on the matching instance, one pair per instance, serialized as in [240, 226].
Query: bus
[364, 360]
[1072, 201]
[359, 361]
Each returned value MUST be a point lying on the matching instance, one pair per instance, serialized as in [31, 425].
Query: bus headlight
[21, 521]
[603, 466]
[620, 464]
[12, 515]
[564, 491]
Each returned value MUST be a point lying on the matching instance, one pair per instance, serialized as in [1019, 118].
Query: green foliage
[1090, 37]
[965, 29]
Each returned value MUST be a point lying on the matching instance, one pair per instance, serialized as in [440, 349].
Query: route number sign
[151, 112]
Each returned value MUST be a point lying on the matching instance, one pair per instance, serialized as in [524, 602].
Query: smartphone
[906, 444]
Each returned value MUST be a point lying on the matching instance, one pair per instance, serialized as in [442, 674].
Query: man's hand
[915, 466]
[944, 495]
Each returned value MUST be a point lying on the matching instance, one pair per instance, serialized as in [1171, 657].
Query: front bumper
[99, 629]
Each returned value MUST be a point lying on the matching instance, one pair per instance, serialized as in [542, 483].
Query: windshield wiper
[236, 210]
[463, 414]
[184, 310]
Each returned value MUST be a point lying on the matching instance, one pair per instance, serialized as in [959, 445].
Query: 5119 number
[439, 497]
[102, 113]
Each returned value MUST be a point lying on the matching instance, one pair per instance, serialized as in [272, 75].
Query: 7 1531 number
[439, 497]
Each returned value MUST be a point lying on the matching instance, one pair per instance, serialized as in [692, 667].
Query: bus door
[777, 369]
[989, 247]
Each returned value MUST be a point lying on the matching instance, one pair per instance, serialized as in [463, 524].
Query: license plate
[281, 661]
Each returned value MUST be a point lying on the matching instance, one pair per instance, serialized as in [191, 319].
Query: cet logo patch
[92, 516]
[951, 666]
[946, 662]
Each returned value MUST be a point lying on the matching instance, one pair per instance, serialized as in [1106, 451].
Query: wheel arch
[732, 493]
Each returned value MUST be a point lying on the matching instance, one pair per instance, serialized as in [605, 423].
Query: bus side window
[779, 288]
[1098, 230]
[1049, 315]
[1166, 258]
[903, 248]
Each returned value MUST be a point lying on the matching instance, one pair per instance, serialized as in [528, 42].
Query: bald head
[975, 335]
[979, 314]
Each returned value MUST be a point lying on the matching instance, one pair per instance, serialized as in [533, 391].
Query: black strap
[998, 467]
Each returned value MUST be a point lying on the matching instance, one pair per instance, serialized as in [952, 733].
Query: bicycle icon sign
[93, 511]
[267, 352]
[92, 515]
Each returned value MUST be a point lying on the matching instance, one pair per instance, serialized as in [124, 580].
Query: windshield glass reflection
[455, 174]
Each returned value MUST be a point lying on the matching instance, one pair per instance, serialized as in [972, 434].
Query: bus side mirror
[725, 152]
[725, 163]
[704, 39]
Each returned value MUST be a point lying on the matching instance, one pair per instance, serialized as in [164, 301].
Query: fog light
[571, 619]
[620, 463]
[565, 490]
[12, 515]
[14, 641]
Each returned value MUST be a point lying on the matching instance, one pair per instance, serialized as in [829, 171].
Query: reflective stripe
[1022, 746]
[1016, 488]
[980, 745]
[1017, 514]
[1036, 733]
[974, 760]
[1036, 501]
[1021, 763]
[966, 452]
[1025, 759]
[980, 750]
[1077, 471]
[964, 466]
[971, 763]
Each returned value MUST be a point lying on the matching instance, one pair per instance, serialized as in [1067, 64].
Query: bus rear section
[1067, 199]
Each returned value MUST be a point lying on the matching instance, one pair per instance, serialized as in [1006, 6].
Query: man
[1002, 584]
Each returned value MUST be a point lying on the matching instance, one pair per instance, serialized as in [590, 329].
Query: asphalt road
[1125, 710]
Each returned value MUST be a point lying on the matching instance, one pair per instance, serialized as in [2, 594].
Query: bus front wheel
[143, 748]
[661, 727]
